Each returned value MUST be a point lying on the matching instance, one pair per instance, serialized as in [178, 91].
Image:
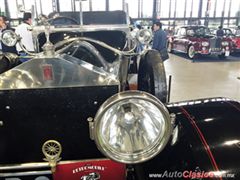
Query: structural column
[107, 5]
[154, 15]
[124, 5]
[55, 5]
[207, 13]
[169, 15]
[200, 11]
[223, 12]
[229, 11]
[7, 13]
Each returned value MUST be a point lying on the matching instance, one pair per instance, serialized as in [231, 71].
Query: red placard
[47, 72]
[92, 169]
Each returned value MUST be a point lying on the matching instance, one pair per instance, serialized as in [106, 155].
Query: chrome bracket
[173, 119]
[91, 127]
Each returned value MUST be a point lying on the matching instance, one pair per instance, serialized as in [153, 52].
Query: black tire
[151, 75]
[222, 56]
[191, 52]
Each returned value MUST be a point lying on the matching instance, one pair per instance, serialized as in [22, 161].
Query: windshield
[202, 31]
[237, 32]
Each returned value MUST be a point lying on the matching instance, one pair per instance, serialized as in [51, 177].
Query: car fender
[208, 140]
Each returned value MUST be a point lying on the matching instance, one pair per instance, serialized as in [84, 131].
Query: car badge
[52, 150]
[47, 71]
[91, 176]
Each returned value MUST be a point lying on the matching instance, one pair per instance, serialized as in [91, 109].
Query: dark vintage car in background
[68, 113]
[232, 34]
[194, 40]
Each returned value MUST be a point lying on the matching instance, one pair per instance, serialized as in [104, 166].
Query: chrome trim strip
[197, 101]
[41, 164]
[29, 173]
[24, 166]
[85, 28]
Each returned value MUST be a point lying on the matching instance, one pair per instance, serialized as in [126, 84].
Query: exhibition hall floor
[204, 77]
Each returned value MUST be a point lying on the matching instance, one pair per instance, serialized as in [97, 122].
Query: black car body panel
[31, 117]
[206, 143]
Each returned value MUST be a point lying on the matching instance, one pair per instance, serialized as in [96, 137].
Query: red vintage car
[233, 34]
[194, 40]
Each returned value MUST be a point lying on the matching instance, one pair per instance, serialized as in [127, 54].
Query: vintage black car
[69, 113]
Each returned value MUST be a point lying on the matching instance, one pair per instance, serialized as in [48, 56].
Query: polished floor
[205, 77]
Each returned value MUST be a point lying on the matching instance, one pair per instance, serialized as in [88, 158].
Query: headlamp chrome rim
[144, 36]
[205, 43]
[141, 156]
[225, 43]
[9, 34]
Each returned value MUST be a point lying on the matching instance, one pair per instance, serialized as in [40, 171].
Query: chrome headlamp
[144, 36]
[132, 127]
[225, 43]
[9, 38]
[205, 43]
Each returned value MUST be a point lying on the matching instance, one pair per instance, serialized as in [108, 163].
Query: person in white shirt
[24, 30]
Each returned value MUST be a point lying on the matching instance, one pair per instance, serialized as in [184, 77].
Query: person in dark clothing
[160, 37]
[4, 27]
[160, 41]
[220, 32]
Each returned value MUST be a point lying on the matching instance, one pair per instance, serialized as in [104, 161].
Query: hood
[57, 72]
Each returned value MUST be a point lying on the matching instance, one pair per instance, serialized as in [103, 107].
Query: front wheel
[191, 52]
[151, 75]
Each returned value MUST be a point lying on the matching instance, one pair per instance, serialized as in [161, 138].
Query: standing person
[160, 37]
[24, 31]
[160, 40]
[220, 32]
[3, 27]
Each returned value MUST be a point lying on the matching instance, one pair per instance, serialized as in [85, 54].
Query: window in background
[204, 8]
[226, 8]
[65, 5]
[115, 5]
[212, 8]
[195, 8]
[219, 9]
[164, 11]
[180, 8]
[85, 6]
[132, 8]
[47, 6]
[235, 8]
[147, 8]
[2, 7]
[172, 8]
[188, 8]
[98, 5]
